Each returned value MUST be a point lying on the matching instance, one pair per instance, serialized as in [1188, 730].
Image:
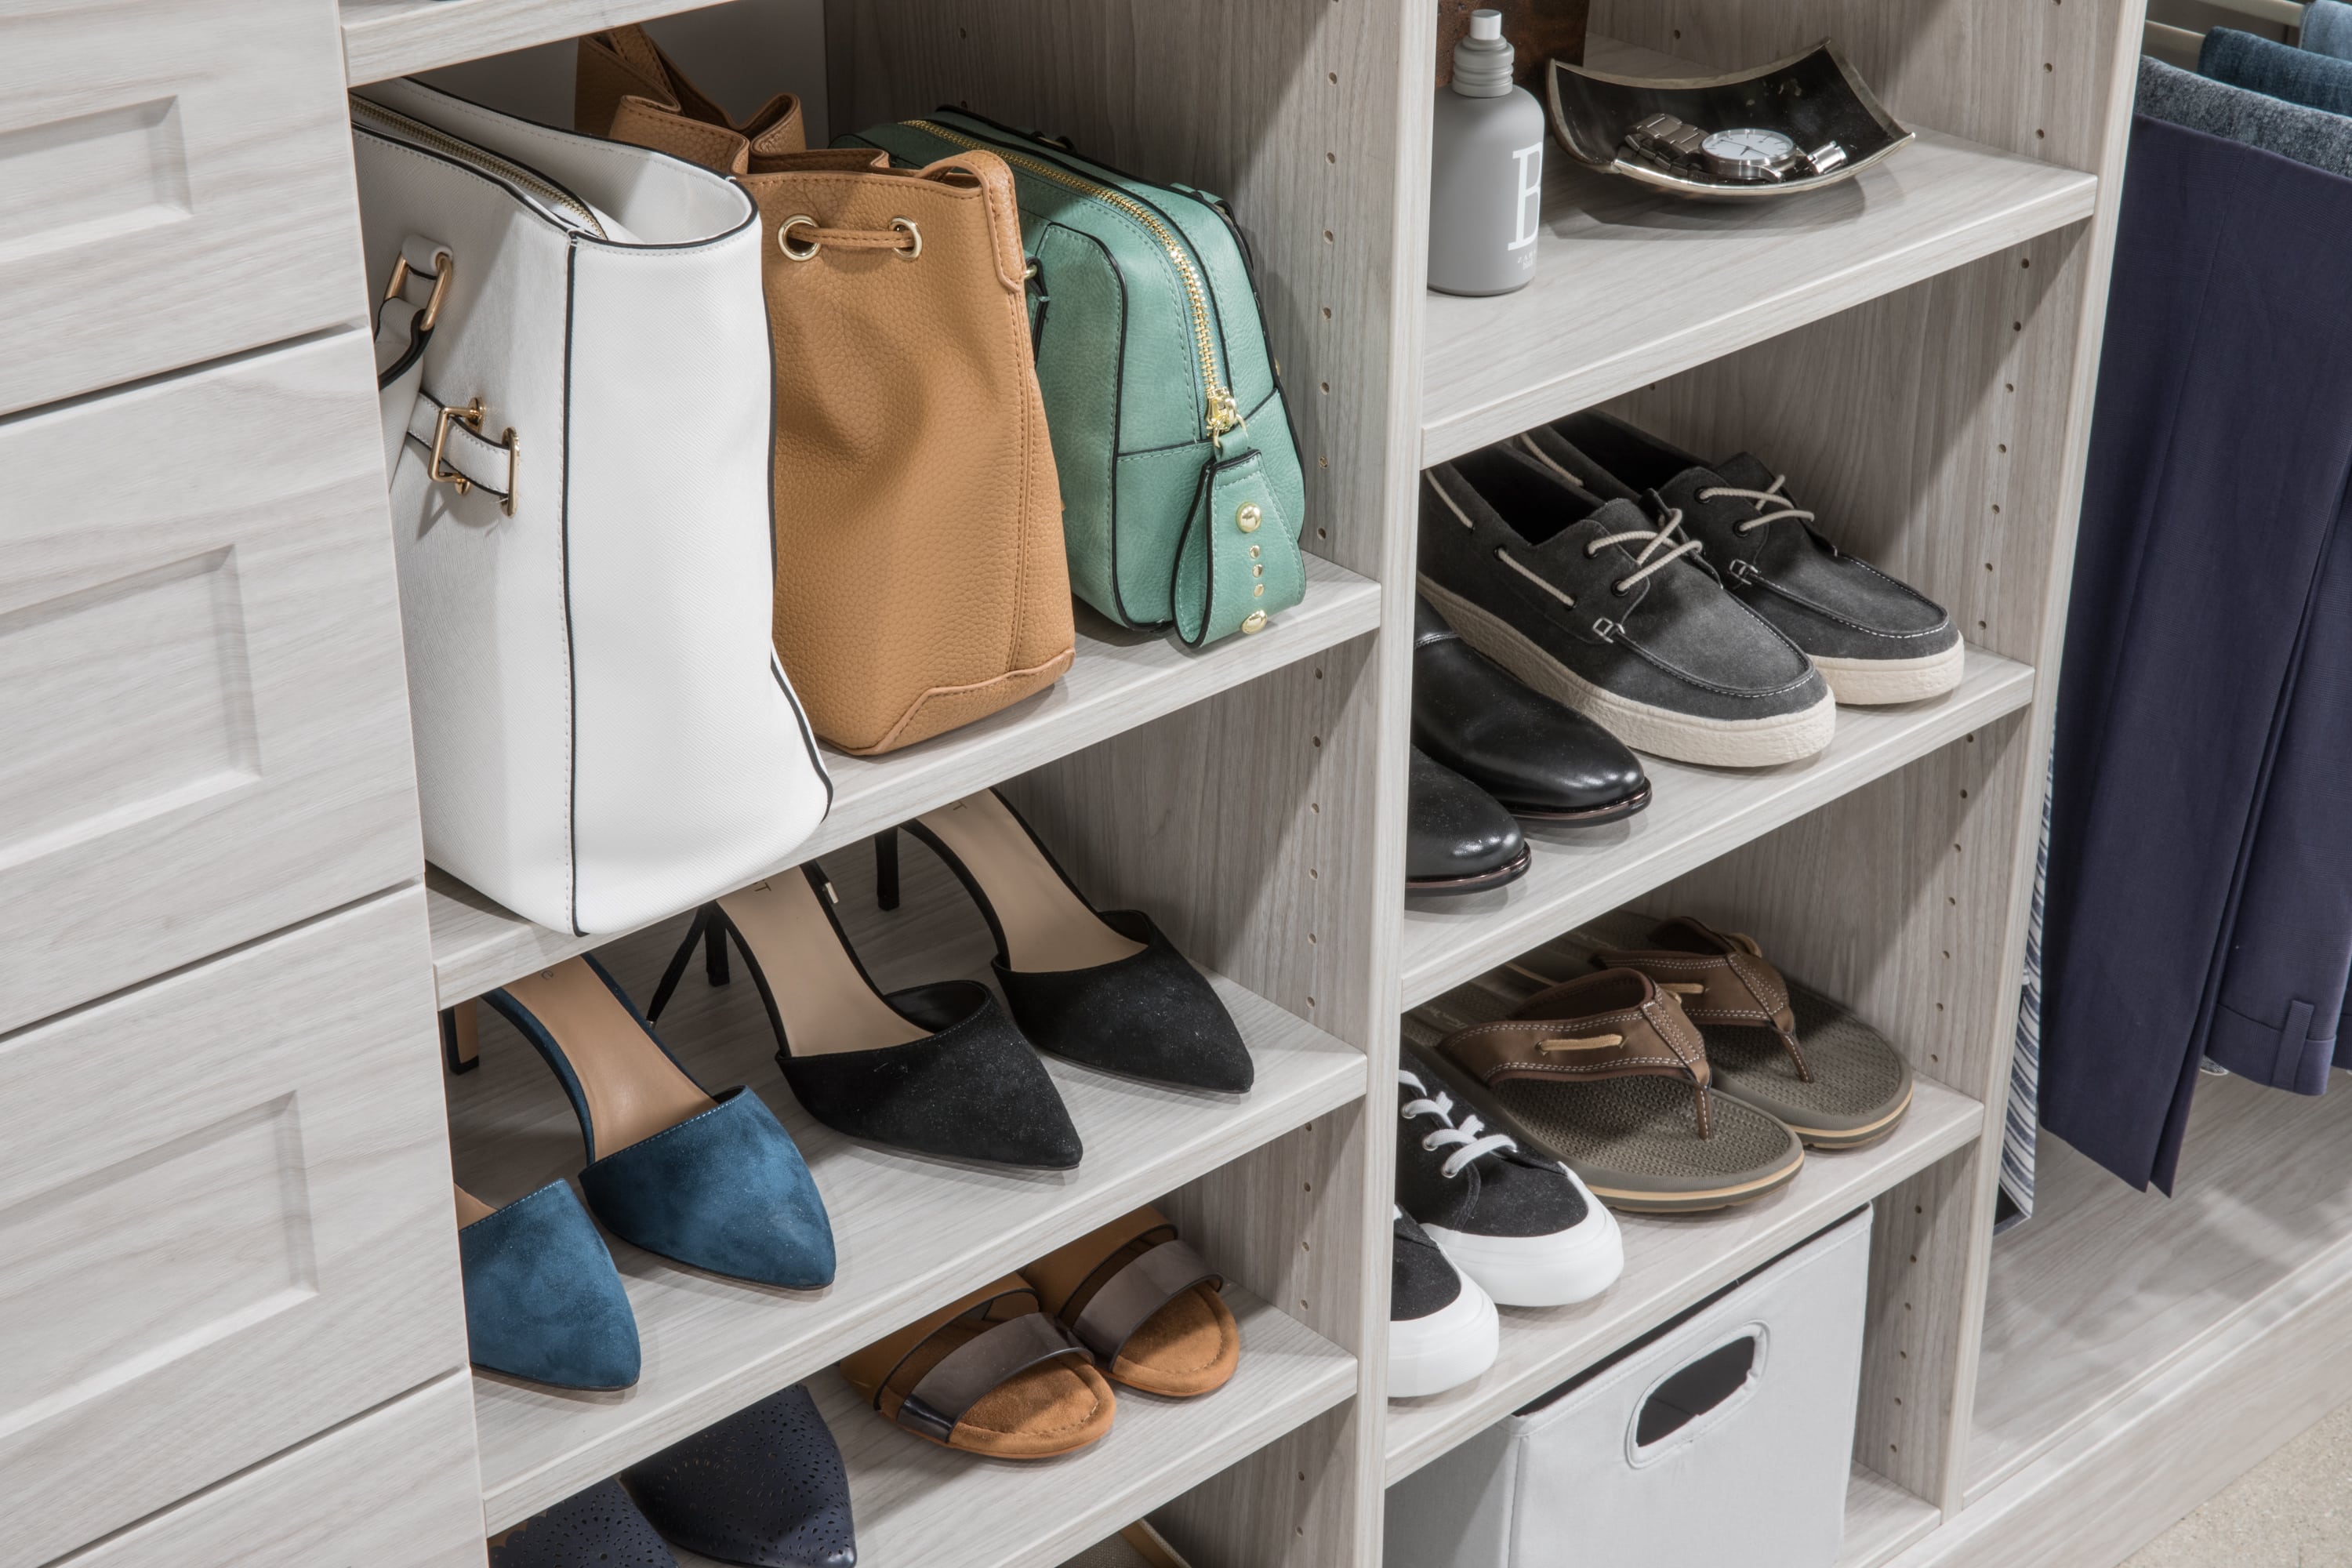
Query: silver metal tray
[1813, 97]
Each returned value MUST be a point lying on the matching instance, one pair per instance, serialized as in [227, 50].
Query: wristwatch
[1744, 155]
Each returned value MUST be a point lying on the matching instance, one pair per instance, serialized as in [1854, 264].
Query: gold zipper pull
[1225, 413]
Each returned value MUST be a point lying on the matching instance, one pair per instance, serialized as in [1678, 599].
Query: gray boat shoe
[1875, 639]
[1601, 608]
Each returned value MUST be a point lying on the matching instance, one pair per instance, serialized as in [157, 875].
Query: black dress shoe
[1538, 758]
[1456, 838]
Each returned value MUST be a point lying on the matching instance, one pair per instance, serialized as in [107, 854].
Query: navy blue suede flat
[599, 1526]
[764, 1488]
[542, 1299]
[713, 1183]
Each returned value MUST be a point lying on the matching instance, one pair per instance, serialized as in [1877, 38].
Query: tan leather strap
[1720, 977]
[1615, 1023]
[626, 90]
[987, 1361]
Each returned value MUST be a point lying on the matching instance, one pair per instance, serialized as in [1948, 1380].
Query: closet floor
[2292, 1510]
[2105, 1288]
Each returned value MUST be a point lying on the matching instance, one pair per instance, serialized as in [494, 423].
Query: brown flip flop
[1605, 1074]
[990, 1374]
[1144, 1303]
[1783, 1049]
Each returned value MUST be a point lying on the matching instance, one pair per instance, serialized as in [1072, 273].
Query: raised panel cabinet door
[175, 185]
[396, 1487]
[201, 695]
[226, 1222]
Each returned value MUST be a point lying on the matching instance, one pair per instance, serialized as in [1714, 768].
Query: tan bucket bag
[920, 576]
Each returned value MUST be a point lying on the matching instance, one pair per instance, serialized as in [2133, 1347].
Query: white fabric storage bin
[1726, 1439]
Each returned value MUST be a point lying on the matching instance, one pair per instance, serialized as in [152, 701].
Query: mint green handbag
[1181, 495]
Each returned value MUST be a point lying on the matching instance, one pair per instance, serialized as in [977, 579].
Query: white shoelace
[1652, 539]
[1467, 1140]
[1760, 498]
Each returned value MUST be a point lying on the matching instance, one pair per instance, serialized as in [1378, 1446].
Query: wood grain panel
[1268, 822]
[1880, 1518]
[1120, 679]
[179, 180]
[911, 1233]
[200, 672]
[1698, 815]
[2209, 1418]
[1633, 286]
[395, 1488]
[224, 1204]
[2032, 77]
[2105, 1288]
[384, 38]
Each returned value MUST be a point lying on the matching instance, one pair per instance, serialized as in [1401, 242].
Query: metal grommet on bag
[906, 226]
[1248, 517]
[1254, 622]
[784, 236]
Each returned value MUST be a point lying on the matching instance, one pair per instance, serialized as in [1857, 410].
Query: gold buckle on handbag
[400, 271]
[470, 415]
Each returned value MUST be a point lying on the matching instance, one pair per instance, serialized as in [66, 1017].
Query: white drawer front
[200, 684]
[225, 1221]
[396, 1488]
[175, 185]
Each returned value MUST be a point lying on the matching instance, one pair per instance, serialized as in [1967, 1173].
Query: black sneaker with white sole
[1873, 638]
[1443, 1331]
[1599, 606]
[1525, 1228]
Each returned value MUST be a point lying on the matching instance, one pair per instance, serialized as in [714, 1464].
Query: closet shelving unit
[1916, 348]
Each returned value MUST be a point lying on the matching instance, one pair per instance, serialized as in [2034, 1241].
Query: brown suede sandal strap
[1616, 1024]
[984, 1363]
[1129, 1299]
[1720, 977]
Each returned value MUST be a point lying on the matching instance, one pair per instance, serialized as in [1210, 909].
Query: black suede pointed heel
[1104, 987]
[937, 1070]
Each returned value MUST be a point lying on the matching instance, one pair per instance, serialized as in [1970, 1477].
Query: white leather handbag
[571, 350]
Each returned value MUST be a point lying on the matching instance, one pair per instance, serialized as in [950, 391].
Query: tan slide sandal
[1144, 1303]
[991, 1374]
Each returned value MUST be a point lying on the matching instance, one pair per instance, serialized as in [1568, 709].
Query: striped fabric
[2017, 1137]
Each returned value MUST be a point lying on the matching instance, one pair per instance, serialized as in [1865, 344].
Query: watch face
[1750, 146]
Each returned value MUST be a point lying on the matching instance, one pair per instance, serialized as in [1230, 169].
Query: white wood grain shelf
[1634, 285]
[2105, 1290]
[911, 1233]
[384, 38]
[1696, 814]
[1881, 1519]
[1672, 1263]
[916, 1502]
[1119, 680]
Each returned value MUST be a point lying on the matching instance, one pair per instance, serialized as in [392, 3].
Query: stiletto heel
[714, 955]
[1101, 986]
[936, 1069]
[461, 1045]
[714, 1181]
[677, 970]
[886, 869]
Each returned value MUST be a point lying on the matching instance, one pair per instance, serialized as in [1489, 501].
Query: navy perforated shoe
[764, 1488]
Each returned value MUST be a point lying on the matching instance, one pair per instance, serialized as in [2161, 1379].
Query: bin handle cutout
[1700, 1395]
